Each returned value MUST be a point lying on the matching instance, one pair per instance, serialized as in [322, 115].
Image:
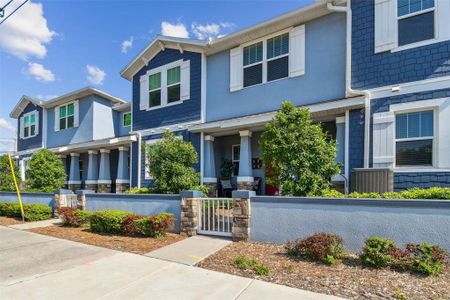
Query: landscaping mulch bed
[5, 221]
[347, 279]
[138, 245]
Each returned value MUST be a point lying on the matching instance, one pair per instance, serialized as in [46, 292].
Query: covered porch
[102, 166]
[235, 142]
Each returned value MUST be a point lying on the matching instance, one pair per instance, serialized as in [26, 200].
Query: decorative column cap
[209, 138]
[73, 154]
[62, 155]
[123, 149]
[92, 151]
[245, 133]
[242, 194]
[105, 150]
[340, 120]
[191, 194]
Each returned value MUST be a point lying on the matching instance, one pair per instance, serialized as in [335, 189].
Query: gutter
[348, 76]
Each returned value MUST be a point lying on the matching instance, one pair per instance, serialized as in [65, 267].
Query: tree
[6, 179]
[170, 164]
[300, 154]
[46, 172]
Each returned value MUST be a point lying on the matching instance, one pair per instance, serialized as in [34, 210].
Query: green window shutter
[155, 81]
[173, 75]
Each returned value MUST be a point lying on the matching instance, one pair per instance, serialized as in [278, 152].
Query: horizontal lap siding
[370, 70]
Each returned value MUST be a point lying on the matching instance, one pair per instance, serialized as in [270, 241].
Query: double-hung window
[154, 90]
[235, 155]
[66, 116]
[29, 125]
[416, 21]
[266, 60]
[173, 85]
[127, 119]
[414, 138]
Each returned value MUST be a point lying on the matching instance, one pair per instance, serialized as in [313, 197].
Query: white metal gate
[215, 216]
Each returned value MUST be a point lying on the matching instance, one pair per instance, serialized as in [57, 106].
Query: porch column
[104, 177]
[123, 176]
[92, 172]
[339, 180]
[245, 177]
[209, 178]
[74, 182]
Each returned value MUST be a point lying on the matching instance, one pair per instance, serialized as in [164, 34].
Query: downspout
[139, 157]
[348, 77]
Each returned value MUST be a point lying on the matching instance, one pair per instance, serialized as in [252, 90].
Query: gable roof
[160, 43]
[22, 104]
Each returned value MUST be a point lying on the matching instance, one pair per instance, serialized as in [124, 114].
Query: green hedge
[108, 221]
[416, 193]
[33, 212]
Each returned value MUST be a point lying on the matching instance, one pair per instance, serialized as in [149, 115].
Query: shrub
[33, 212]
[130, 224]
[108, 221]
[156, 225]
[324, 247]
[143, 190]
[46, 172]
[377, 252]
[415, 193]
[74, 217]
[6, 179]
[426, 258]
[244, 263]
[328, 193]
[364, 195]
[301, 155]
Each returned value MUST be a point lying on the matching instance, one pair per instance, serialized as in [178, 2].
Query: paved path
[35, 266]
[30, 225]
[191, 250]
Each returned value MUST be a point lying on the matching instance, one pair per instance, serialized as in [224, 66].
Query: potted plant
[226, 169]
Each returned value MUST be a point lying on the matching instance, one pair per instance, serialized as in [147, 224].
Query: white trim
[209, 138]
[92, 151]
[104, 181]
[346, 150]
[162, 129]
[416, 105]
[44, 128]
[245, 179]
[110, 142]
[73, 154]
[420, 170]
[28, 151]
[75, 115]
[90, 182]
[203, 90]
[340, 120]
[22, 104]
[139, 160]
[245, 133]
[130, 171]
[233, 159]
[202, 151]
[411, 87]
[209, 180]
[105, 151]
[122, 181]
[122, 148]
[74, 182]
[78, 94]
[36, 124]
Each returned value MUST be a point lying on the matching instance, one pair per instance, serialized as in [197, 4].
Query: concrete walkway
[35, 266]
[37, 224]
[191, 250]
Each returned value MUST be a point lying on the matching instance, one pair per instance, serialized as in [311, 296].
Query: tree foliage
[46, 172]
[300, 154]
[6, 179]
[170, 164]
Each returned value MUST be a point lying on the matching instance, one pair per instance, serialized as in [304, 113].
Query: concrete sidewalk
[34, 266]
[37, 224]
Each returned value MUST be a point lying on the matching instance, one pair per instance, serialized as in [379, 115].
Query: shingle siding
[187, 111]
[356, 139]
[404, 181]
[370, 70]
[33, 142]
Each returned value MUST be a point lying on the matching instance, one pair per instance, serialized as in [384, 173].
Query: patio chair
[226, 187]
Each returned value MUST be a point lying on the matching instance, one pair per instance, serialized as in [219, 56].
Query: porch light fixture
[395, 88]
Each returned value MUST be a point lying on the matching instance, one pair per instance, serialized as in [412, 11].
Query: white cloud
[95, 75]
[4, 124]
[46, 97]
[40, 73]
[26, 32]
[7, 145]
[212, 30]
[175, 30]
[127, 44]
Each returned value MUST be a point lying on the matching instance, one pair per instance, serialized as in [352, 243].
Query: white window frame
[163, 87]
[35, 113]
[173, 84]
[265, 60]
[123, 119]
[433, 40]
[66, 117]
[233, 159]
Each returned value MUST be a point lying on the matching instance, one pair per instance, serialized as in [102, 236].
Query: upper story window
[262, 66]
[416, 21]
[414, 138]
[66, 116]
[29, 125]
[165, 85]
[126, 119]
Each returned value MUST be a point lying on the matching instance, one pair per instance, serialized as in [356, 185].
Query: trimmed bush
[108, 221]
[324, 247]
[129, 224]
[74, 217]
[415, 193]
[143, 190]
[156, 225]
[33, 212]
[377, 252]
[426, 258]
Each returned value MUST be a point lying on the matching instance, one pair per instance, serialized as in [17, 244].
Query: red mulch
[346, 279]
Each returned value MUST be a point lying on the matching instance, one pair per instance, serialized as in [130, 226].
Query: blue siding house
[88, 128]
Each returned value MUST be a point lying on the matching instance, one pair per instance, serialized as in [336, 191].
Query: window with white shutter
[385, 25]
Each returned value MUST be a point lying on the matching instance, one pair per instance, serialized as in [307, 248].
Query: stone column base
[104, 188]
[91, 186]
[122, 187]
[212, 188]
[74, 187]
[188, 222]
[241, 215]
[245, 185]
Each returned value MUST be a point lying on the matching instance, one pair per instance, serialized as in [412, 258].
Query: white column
[245, 158]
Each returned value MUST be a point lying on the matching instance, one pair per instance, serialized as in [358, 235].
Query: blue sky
[49, 48]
